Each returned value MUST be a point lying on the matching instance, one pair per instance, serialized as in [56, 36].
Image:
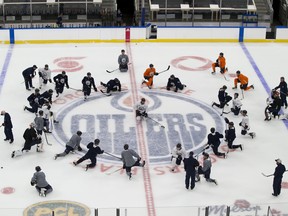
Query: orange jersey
[150, 72]
[221, 61]
[243, 79]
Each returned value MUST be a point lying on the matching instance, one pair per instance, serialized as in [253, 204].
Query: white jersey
[176, 152]
[141, 107]
[46, 74]
[237, 103]
[245, 123]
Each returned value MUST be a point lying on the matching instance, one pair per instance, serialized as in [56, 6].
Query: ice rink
[187, 116]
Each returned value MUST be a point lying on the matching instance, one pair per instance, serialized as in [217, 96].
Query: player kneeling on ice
[174, 83]
[71, 145]
[128, 157]
[236, 104]
[149, 75]
[273, 106]
[112, 85]
[123, 61]
[93, 150]
[190, 165]
[245, 124]
[223, 97]
[140, 109]
[221, 63]
[230, 136]
[243, 80]
[205, 169]
[31, 138]
[214, 141]
[178, 154]
[60, 81]
[39, 179]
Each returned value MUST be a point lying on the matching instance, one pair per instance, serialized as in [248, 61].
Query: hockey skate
[42, 192]
[252, 134]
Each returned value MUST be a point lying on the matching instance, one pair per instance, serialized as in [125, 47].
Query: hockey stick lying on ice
[75, 89]
[111, 71]
[109, 94]
[109, 173]
[162, 126]
[270, 174]
[113, 155]
[164, 70]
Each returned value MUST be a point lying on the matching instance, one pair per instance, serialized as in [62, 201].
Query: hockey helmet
[238, 72]
[37, 90]
[231, 123]
[38, 168]
[96, 141]
[178, 146]
[212, 130]
[46, 66]
[34, 66]
[123, 51]
[244, 112]
[116, 80]
[63, 72]
[172, 76]
[88, 74]
[224, 87]
[126, 147]
[221, 54]
[143, 99]
[50, 91]
[151, 65]
[191, 153]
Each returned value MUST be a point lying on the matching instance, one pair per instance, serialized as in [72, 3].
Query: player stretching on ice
[221, 63]
[148, 76]
[140, 109]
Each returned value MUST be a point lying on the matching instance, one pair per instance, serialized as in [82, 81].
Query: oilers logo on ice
[58, 207]
[186, 120]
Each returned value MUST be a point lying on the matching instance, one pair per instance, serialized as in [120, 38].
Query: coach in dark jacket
[189, 165]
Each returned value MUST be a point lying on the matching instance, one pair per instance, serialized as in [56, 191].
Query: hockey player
[273, 106]
[31, 139]
[71, 145]
[190, 165]
[39, 126]
[140, 109]
[93, 150]
[60, 81]
[39, 179]
[230, 136]
[44, 75]
[48, 116]
[175, 83]
[28, 74]
[178, 154]
[243, 80]
[46, 97]
[148, 76]
[112, 85]
[245, 124]
[221, 63]
[214, 141]
[205, 169]
[88, 83]
[34, 101]
[283, 91]
[223, 97]
[278, 174]
[236, 104]
[7, 127]
[123, 61]
[128, 157]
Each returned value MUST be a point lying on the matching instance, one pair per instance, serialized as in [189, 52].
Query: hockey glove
[40, 74]
[50, 80]
[124, 166]
[95, 89]
[144, 114]
[79, 148]
[156, 74]
[32, 183]
[240, 124]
